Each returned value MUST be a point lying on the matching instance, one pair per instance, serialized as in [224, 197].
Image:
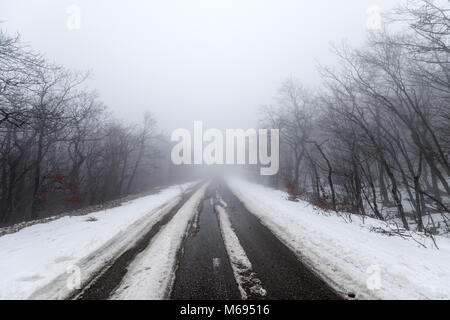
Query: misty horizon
[215, 61]
[237, 151]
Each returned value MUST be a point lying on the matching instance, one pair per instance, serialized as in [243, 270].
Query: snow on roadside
[242, 268]
[152, 272]
[45, 261]
[347, 254]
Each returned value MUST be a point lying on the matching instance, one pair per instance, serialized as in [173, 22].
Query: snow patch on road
[151, 274]
[49, 260]
[219, 199]
[348, 254]
[216, 264]
[242, 268]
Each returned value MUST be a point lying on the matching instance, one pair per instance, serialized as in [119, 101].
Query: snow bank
[347, 254]
[45, 261]
[152, 272]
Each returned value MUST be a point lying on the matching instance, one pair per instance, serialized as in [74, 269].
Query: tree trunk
[37, 176]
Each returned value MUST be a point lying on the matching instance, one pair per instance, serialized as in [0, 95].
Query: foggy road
[204, 270]
[226, 254]
[225, 150]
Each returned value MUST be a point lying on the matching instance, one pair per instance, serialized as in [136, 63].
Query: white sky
[186, 60]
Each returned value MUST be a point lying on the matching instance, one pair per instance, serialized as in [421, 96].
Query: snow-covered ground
[46, 260]
[436, 222]
[152, 272]
[347, 253]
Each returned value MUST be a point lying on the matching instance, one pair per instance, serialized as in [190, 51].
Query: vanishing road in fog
[225, 253]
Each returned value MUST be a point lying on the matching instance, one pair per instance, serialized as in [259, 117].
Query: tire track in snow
[249, 285]
[109, 276]
[151, 274]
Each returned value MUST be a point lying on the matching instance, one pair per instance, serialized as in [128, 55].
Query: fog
[362, 128]
[212, 60]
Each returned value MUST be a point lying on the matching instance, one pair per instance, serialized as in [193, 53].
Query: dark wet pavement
[204, 270]
[282, 274]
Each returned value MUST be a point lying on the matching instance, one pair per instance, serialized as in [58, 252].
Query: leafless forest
[374, 139]
[60, 148]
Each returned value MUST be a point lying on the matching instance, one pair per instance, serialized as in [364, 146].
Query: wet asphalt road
[204, 271]
[282, 275]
